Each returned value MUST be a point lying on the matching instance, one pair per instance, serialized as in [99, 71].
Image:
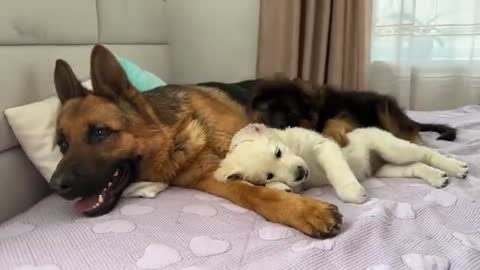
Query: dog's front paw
[279, 186]
[352, 193]
[144, 189]
[316, 218]
[340, 138]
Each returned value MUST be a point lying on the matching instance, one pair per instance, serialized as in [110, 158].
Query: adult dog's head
[256, 156]
[96, 134]
[283, 103]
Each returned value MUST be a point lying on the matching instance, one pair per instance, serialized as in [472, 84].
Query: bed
[406, 224]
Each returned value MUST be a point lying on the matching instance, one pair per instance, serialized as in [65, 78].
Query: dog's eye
[101, 132]
[62, 143]
[278, 153]
[97, 134]
[270, 176]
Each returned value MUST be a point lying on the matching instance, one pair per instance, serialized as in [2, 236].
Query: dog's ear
[313, 98]
[66, 83]
[227, 172]
[305, 86]
[249, 133]
[108, 77]
[109, 80]
[255, 129]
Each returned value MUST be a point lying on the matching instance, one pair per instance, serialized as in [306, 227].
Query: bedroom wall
[212, 39]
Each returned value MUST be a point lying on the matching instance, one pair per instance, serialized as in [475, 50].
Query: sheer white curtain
[426, 52]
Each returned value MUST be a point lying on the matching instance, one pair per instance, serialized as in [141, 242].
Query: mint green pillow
[142, 80]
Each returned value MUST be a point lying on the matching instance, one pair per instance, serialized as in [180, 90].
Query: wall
[213, 40]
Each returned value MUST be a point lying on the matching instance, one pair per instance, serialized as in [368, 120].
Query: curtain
[426, 52]
[325, 42]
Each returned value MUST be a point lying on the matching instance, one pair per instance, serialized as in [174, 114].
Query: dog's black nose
[301, 173]
[62, 183]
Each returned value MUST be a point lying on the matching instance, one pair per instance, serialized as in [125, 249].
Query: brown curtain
[322, 41]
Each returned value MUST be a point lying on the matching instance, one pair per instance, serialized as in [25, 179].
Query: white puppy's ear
[256, 128]
[249, 133]
[226, 172]
[235, 176]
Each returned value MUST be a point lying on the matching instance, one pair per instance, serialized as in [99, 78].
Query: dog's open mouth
[103, 201]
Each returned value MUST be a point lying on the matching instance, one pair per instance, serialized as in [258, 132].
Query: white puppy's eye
[270, 176]
[278, 153]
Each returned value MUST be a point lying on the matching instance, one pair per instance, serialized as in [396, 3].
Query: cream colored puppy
[297, 158]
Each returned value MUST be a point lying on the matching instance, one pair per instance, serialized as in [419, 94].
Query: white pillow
[34, 126]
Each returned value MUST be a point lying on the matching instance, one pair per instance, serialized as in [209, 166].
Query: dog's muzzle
[95, 197]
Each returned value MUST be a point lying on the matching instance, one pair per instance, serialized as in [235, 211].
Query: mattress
[406, 224]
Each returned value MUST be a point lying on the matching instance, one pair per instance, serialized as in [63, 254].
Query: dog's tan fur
[181, 133]
[391, 124]
[337, 129]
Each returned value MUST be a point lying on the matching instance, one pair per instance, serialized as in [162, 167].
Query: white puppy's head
[256, 156]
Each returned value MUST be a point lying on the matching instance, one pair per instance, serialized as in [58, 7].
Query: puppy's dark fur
[283, 103]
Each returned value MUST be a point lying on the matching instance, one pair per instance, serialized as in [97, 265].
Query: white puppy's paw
[144, 189]
[437, 178]
[352, 193]
[455, 167]
[279, 186]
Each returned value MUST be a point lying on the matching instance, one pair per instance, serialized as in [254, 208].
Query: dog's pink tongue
[86, 204]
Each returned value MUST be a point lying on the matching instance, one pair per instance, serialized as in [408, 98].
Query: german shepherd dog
[281, 103]
[176, 135]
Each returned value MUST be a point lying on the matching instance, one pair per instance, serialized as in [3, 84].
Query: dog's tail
[447, 133]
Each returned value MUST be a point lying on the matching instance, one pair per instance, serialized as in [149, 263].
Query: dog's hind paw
[437, 178]
[456, 168]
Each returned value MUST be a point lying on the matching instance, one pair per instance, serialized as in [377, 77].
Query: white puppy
[298, 158]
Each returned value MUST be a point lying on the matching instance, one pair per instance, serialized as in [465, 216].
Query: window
[426, 30]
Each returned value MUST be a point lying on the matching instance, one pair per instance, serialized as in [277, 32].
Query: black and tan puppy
[282, 103]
